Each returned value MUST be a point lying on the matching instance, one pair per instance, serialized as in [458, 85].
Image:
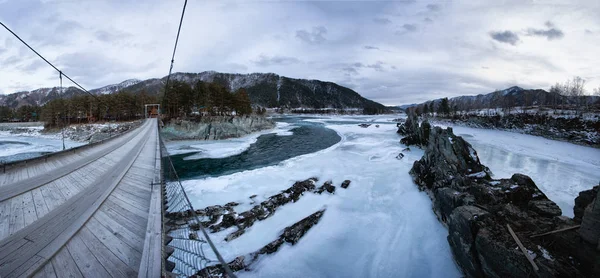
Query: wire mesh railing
[189, 249]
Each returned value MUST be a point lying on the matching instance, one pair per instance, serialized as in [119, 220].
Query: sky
[394, 52]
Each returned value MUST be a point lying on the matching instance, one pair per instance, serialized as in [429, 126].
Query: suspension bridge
[102, 209]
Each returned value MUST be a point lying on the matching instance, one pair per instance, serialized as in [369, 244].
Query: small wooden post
[535, 267]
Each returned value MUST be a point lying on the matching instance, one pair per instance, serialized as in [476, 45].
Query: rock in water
[345, 184]
[400, 156]
[477, 208]
[291, 235]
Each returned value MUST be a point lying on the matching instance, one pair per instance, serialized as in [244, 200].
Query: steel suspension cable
[174, 50]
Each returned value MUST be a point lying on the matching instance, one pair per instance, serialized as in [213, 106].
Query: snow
[222, 148]
[480, 175]
[560, 169]
[31, 141]
[545, 253]
[381, 226]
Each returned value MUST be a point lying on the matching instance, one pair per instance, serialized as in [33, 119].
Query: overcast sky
[394, 52]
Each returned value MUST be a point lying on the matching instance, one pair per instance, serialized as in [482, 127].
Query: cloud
[371, 47]
[381, 20]
[410, 27]
[588, 31]
[551, 33]
[316, 36]
[33, 66]
[428, 20]
[505, 37]
[434, 7]
[110, 36]
[266, 61]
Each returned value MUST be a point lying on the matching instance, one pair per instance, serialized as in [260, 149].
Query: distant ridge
[264, 89]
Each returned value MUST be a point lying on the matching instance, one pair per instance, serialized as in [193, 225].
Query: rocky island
[501, 227]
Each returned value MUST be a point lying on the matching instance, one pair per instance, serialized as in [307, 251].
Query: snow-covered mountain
[511, 97]
[115, 87]
[264, 89]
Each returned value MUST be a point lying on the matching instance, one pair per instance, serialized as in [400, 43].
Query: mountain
[271, 90]
[115, 87]
[508, 98]
[264, 89]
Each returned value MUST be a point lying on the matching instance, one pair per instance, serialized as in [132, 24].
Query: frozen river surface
[381, 226]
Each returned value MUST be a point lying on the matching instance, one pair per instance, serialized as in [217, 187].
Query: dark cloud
[365, 47]
[551, 33]
[316, 36]
[381, 20]
[265, 61]
[505, 37]
[410, 27]
[428, 20]
[353, 69]
[434, 7]
[588, 31]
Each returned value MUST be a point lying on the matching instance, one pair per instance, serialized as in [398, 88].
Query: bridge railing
[189, 249]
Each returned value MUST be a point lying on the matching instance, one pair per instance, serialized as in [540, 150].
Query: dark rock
[400, 156]
[328, 185]
[583, 200]
[590, 223]
[345, 184]
[477, 208]
[377, 126]
[545, 207]
[291, 234]
[406, 149]
[364, 125]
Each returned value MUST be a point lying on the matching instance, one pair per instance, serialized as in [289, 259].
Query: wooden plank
[85, 260]
[124, 218]
[151, 260]
[112, 201]
[64, 265]
[514, 236]
[134, 240]
[17, 221]
[46, 272]
[55, 229]
[115, 266]
[28, 267]
[4, 219]
[124, 252]
[556, 231]
[29, 213]
[40, 204]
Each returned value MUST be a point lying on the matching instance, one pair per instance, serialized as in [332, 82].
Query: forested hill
[264, 89]
[508, 99]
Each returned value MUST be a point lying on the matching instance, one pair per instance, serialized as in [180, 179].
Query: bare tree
[578, 92]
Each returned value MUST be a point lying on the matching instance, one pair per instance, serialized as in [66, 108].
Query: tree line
[204, 99]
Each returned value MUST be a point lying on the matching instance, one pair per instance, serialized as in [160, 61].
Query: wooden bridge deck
[84, 214]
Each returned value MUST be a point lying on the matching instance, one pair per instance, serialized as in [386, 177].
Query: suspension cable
[38, 54]
[174, 50]
[62, 130]
[194, 215]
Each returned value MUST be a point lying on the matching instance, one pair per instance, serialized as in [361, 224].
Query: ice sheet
[560, 169]
[381, 226]
[222, 148]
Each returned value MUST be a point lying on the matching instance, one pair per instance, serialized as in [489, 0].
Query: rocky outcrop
[413, 133]
[583, 200]
[215, 128]
[477, 211]
[291, 235]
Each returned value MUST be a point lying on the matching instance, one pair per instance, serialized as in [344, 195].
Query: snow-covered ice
[19, 146]
[222, 148]
[560, 169]
[381, 226]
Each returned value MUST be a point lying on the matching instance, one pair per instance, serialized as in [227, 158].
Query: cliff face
[215, 128]
[480, 213]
